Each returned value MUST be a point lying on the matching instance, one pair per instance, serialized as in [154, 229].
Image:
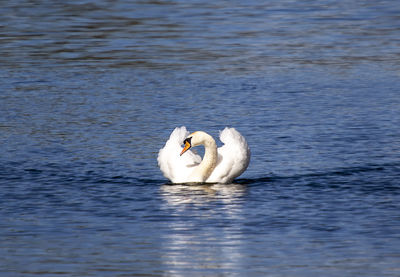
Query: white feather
[233, 157]
[175, 167]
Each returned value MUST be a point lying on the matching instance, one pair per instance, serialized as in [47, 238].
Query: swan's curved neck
[209, 162]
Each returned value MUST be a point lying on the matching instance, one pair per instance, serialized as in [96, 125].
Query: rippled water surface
[90, 91]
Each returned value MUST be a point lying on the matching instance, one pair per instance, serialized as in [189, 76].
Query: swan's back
[173, 166]
[233, 157]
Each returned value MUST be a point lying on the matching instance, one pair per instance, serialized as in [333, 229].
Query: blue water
[90, 91]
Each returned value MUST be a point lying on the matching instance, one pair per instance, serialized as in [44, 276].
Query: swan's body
[219, 165]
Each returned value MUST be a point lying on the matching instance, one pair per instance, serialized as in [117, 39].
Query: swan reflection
[204, 233]
[176, 194]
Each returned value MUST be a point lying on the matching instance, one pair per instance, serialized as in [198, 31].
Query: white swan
[220, 165]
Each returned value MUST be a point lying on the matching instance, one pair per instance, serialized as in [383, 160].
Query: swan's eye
[188, 140]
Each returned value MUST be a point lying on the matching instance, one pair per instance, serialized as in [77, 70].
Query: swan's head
[188, 144]
[195, 139]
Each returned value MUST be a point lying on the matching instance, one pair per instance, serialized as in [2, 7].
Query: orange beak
[186, 148]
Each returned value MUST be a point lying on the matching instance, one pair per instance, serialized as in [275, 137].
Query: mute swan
[219, 165]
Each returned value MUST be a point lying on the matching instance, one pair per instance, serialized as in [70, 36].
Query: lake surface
[91, 90]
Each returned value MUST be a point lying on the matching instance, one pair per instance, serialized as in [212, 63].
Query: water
[91, 90]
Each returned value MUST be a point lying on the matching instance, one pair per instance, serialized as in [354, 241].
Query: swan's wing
[175, 167]
[233, 157]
